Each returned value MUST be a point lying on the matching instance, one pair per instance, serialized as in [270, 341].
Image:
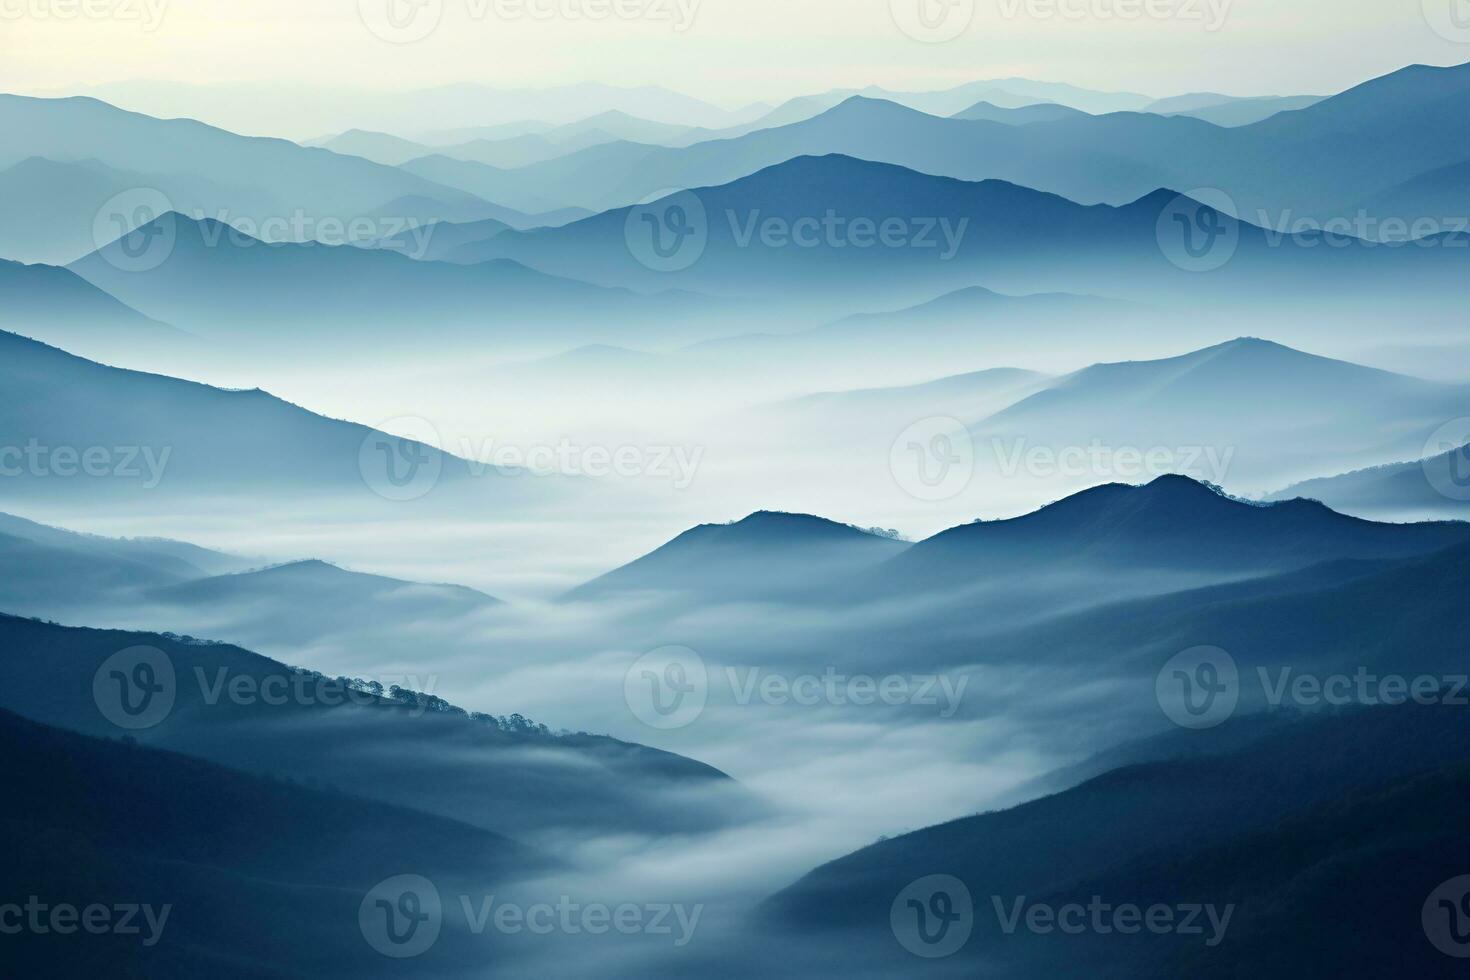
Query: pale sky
[732, 51]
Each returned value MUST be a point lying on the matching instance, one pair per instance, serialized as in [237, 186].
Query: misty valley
[931, 525]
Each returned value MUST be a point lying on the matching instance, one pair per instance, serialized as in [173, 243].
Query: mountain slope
[56, 306]
[766, 555]
[212, 278]
[166, 436]
[291, 605]
[1251, 828]
[209, 847]
[238, 709]
[1317, 161]
[1265, 410]
[1170, 526]
[44, 570]
[1432, 487]
[808, 227]
[1041, 112]
[261, 178]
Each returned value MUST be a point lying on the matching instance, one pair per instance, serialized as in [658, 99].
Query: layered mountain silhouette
[1172, 525]
[164, 436]
[1437, 485]
[1111, 540]
[1270, 408]
[1226, 110]
[1040, 112]
[1251, 828]
[286, 606]
[809, 226]
[883, 412]
[212, 278]
[766, 555]
[257, 178]
[56, 306]
[509, 777]
[208, 848]
[1289, 161]
[47, 569]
